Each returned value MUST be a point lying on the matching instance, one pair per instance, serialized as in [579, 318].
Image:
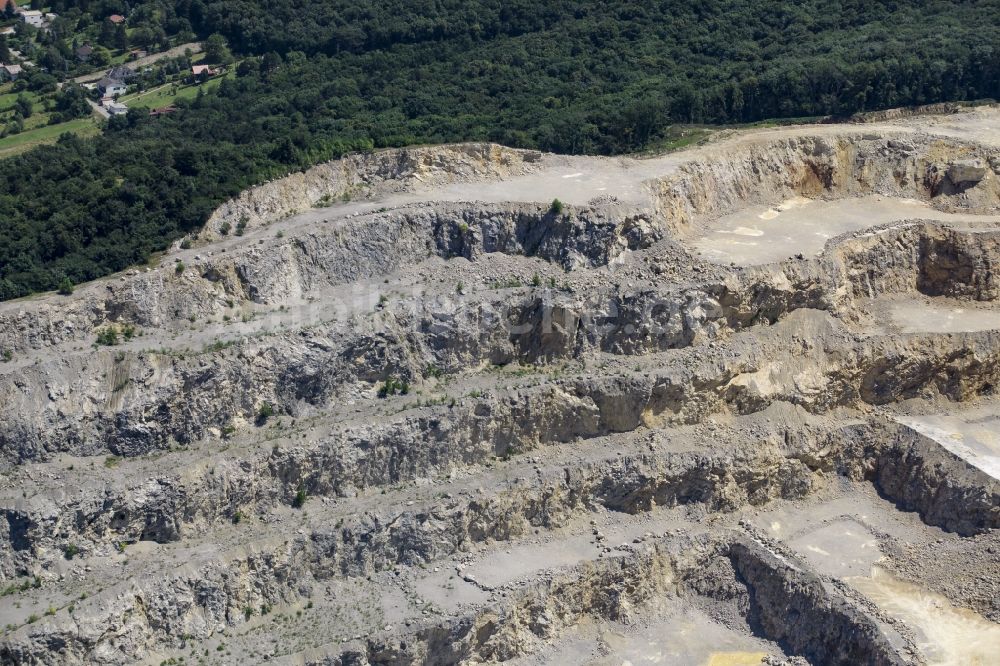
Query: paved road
[98, 109]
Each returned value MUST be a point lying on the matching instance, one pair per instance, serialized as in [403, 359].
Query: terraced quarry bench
[733, 405]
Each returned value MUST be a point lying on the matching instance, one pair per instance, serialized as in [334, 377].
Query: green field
[18, 143]
[8, 96]
[160, 96]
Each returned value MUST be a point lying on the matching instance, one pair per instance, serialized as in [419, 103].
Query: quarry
[736, 404]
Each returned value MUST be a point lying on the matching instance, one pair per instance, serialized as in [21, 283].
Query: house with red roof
[206, 70]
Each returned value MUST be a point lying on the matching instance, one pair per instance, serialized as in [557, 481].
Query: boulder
[966, 172]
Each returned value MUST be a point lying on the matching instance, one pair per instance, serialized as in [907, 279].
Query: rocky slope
[404, 408]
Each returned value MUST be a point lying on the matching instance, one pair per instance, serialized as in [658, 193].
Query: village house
[109, 87]
[115, 108]
[9, 72]
[121, 73]
[117, 19]
[84, 52]
[204, 70]
[32, 17]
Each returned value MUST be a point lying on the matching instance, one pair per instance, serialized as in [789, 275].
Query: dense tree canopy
[321, 77]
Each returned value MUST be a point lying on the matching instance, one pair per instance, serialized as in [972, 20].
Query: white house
[116, 108]
[33, 17]
[111, 87]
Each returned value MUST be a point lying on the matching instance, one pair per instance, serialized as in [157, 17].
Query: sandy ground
[686, 635]
[762, 235]
[845, 537]
[973, 435]
[913, 314]
[946, 635]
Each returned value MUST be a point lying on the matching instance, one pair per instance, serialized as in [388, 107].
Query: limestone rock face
[966, 172]
[367, 175]
[434, 417]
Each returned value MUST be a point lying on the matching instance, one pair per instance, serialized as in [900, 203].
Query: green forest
[318, 78]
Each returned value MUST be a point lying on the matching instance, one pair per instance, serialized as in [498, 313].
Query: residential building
[111, 87]
[204, 70]
[121, 73]
[32, 17]
[84, 52]
[117, 19]
[9, 72]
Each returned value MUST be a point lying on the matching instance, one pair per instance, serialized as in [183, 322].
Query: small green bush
[65, 286]
[300, 498]
[179, 267]
[107, 336]
[393, 386]
[264, 412]
[70, 551]
[557, 207]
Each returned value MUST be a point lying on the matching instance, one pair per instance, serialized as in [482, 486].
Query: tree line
[319, 78]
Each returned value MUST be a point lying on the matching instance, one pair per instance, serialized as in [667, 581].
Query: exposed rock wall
[364, 248]
[821, 166]
[921, 475]
[368, 174]
[137, 404]
[795, 607]
[164, 609]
